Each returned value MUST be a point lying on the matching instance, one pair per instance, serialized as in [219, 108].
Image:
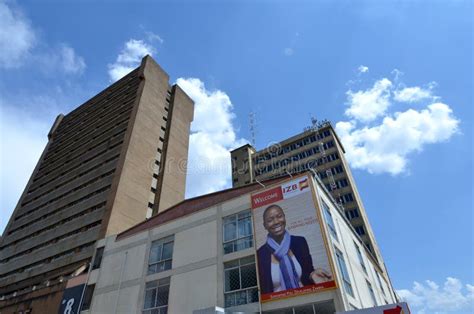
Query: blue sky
[394, 77]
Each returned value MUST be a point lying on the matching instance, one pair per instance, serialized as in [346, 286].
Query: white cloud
[23, 138]
[363, 69]
[71, 63]
[429, 297]
[367, 105]
[16, 37]
[153, 37]
[412, 94]
[381, 141]
[212, 137]
[386, 146]
[129, 58]
[288, 52]
[61, 58]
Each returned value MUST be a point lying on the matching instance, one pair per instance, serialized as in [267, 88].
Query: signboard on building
[398, 308]
[71, 300]
[292, 255]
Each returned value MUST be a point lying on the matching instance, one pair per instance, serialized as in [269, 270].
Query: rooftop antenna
[252, 127]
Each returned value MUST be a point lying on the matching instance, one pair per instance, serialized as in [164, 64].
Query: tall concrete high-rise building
[109, 164]
[317, 148]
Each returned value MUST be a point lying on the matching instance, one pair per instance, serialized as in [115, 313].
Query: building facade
[200, 256]
[319, 149]
[108, 165]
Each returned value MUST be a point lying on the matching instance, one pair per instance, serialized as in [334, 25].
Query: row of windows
[63, 237]
[347, 198]
[81, 174]
[86, 144]
[94, 129]
[340, 258]
[70, 126]
[105, 150]
[94, 106]
[300, 156]
[296, 145]
[69, 192]
[338, 185]
[53, 226]
[50, 259]
[334, 170]
[55, 211]
[352, 213]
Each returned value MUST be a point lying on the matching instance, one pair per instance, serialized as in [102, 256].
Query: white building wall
[197, 273]
[346, 244]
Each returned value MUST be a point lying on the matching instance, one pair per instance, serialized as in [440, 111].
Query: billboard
[292, 256]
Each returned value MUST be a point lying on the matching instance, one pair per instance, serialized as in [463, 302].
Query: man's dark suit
[300, 249]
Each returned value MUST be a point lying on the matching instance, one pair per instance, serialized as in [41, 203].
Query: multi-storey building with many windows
[108, 165]
[200, 257]
[318, 149]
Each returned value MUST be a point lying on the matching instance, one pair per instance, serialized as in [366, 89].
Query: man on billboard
[284, 260]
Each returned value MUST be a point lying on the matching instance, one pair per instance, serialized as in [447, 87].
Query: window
[86, 302]
[161, 254]
[329, 220]
[345, 274]
[360, 230]
[98, 258]
[380, 282]
[240, 282]
[361, 259]
[352, 213]
[237, 231]
[156, 296]
[371, 292]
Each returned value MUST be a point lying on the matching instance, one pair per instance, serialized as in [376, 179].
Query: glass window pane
[244, 214]
[241, 298]
[229, 299]
[162, 298]
[152, 269]
[155, 253]
[232, 279]
[228, 248]
[230, 231]
[252, 295]
[167, 265]
[167, 250]
[245, 227]
[229, 219]
[249, 276]
[231, 264]
[150, 296]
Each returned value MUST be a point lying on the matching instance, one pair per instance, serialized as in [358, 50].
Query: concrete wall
[131, 198]
[172, 184]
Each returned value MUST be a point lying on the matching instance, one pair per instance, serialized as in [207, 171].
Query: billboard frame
[324, 234]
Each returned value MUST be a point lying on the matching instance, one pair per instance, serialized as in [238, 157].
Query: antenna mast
[252, 128]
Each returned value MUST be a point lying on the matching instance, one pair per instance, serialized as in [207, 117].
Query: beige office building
[108, 165]
[320, 149]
